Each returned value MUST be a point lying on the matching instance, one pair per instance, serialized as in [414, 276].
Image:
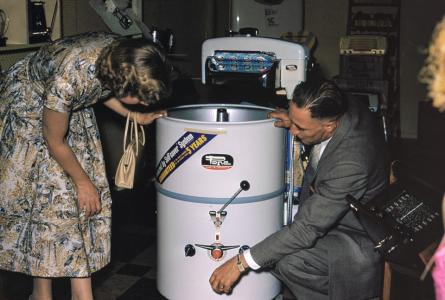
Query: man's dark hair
[322, 97]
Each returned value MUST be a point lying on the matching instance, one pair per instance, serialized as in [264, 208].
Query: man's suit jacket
[354, 162]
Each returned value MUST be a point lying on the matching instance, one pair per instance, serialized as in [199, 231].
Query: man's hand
[282, 117]
[148, 118]
[225, 277]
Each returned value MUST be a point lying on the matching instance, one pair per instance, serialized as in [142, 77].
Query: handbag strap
[124, 145]
[137, 131]
[134, 132]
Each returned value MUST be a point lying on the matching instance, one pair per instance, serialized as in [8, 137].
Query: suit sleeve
[321, 211]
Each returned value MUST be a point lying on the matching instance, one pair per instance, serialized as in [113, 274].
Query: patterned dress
[42, 232]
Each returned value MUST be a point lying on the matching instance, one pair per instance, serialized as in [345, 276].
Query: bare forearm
[55, 128]
[54, 136]
[62, 153]
[140, 118]
[117, 106]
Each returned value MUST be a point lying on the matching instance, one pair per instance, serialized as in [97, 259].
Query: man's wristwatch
[239, 264]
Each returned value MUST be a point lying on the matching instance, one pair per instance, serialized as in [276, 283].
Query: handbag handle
[134, 133]
[124, 145]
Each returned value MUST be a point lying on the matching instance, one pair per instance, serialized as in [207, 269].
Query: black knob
[189, 250]
[245, 185]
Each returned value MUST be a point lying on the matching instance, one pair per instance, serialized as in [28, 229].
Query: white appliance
[272, 18]
[220, 187]
[275, 62]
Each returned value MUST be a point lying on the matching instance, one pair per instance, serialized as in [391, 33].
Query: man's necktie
[309, 174]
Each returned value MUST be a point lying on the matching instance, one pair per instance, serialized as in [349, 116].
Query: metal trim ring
[216, 200]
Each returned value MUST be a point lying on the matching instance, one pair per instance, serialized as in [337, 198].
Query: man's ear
[330, 126]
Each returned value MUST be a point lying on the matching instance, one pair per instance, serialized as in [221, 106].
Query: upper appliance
[272, 63]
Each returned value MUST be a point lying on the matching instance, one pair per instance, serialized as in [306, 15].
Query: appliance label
[217, 161]
[187, 145]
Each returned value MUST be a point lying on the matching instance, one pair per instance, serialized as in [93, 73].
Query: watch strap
[239, 264]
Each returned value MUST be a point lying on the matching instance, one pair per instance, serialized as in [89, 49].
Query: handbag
[127, 165]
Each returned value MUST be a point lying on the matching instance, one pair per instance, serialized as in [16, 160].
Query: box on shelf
[363, 56]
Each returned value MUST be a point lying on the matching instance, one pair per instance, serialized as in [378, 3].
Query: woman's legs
[81, 289]
[41, 289]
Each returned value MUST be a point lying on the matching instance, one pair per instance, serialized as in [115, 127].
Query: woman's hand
[148, 118]
[88, 199]
[282, 117]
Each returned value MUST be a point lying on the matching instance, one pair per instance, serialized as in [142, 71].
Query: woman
[55, 205]
[434, 75]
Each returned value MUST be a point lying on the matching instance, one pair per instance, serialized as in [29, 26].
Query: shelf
[17, 13]
[379, 3]
[378, 18]
[20, 47]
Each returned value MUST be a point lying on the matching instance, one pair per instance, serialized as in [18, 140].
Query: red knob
[216, 253]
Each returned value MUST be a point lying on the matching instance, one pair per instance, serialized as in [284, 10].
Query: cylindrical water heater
[220, 186]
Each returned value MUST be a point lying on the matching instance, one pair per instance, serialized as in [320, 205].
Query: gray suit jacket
[354, 162]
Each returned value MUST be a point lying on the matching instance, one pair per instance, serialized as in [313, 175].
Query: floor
[131, 275]
[132, 271]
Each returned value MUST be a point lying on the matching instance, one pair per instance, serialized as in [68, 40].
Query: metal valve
[216, 250]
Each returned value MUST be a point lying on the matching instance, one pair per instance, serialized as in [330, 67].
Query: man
[324, 253]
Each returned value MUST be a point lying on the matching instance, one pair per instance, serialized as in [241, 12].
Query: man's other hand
[282, 118]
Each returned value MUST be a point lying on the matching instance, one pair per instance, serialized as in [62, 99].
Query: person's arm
[55, 127]
[318, 214]
[141, 118]
[226, 275]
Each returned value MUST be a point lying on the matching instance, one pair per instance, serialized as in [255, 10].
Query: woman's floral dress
[42, 232]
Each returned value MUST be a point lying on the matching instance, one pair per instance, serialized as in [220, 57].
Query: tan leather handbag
[127, 165]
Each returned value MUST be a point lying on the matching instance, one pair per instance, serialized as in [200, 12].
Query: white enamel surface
[257, 148]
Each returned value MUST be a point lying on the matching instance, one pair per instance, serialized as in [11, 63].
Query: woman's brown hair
[135, 67]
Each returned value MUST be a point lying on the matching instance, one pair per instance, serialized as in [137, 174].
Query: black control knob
[189, 250]
[245, 185]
